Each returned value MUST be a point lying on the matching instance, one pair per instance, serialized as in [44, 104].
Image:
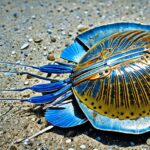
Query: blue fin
[91, 37]
[137, 126]
[74, 52]
[48, 98]
[62, 98]
[42, 88]
[65, 116]
[58, 68]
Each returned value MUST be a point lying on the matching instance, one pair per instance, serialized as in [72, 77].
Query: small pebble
[70, 33]
[68, 141]
[24, 46]
[51, 57]
[44, 47]
[82, 28]
[30, 39]
[45, 53]
[37, 40]
[15, 15]
[53, 39]
[33, 17]
[34, 49]
[33, 119]
[30, 28]
[26, 83]
[63, 33]
[13, 52]
[13, 147]
[49, 31]
[148, 142]
[83, 146]
[26, 142]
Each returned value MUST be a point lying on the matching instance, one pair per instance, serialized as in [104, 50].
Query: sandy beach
[31, 30]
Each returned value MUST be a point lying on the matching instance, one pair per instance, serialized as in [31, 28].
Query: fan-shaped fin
[65, 116]
[95, 35]
[137, 126]
[74, 52]
[89, 38]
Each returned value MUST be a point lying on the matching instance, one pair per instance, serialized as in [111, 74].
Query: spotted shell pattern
[118, 85]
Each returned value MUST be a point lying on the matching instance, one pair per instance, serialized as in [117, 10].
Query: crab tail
[55, 92]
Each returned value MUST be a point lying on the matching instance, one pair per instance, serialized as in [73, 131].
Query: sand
[29, 31]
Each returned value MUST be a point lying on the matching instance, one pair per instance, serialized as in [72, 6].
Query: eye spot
[147, 56]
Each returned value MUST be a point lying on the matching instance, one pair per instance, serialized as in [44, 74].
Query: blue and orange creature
[109, 77]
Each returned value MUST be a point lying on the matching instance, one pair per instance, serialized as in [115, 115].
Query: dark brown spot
[127, 117]
[131, 113]
[105, 112]
[143, 111]
[121, 113]
[112, 115]
[94, 107]
[140, 114]
[100, 107]
[92, 103]
[148, 114]
[85, 99]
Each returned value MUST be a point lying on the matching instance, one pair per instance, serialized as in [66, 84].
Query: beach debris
[24, 46]
[82, 28]
[51, 57]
